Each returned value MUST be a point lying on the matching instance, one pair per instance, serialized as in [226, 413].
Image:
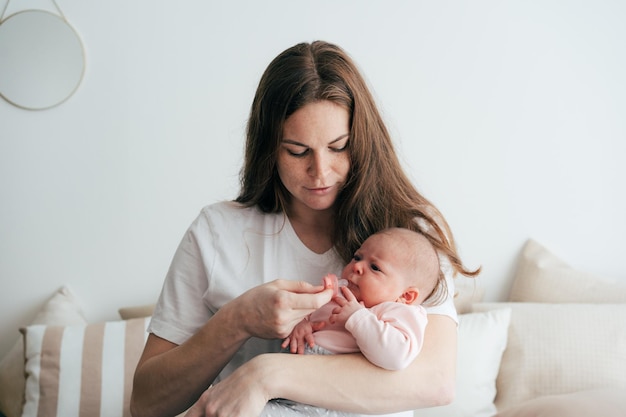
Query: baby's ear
[409, 296]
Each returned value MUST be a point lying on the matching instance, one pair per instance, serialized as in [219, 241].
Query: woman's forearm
[170, 378]
[351, 383]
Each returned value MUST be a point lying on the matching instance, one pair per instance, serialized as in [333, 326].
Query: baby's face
[376, 272]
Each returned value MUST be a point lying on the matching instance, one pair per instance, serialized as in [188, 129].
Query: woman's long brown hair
[378, 194]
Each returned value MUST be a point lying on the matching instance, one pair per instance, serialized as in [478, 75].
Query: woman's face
[313, 158]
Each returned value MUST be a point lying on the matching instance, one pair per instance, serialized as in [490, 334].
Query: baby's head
[394, 265]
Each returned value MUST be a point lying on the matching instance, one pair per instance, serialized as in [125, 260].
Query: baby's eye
[356, 257]
[375, 267]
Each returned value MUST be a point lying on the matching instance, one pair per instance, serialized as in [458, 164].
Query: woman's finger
[298, 287]
[303, 296]
[311, 301]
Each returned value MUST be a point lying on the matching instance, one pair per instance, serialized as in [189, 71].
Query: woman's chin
[320, 204]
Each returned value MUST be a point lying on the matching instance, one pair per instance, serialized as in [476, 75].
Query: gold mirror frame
[42, 59]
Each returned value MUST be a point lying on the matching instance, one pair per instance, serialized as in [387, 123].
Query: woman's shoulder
[233, 215]
[230, 209]
[234, 210]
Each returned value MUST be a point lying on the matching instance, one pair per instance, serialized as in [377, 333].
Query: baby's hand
[301, 336]
[347, 307]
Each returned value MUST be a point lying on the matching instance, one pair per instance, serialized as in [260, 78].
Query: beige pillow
[609, 402]
[543, 278]
[467, 292]
[84, 370]
[481, 341]
[560, 348]
[61, 309]
[135, 312]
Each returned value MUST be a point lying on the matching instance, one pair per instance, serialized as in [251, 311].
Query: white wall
[510, 116]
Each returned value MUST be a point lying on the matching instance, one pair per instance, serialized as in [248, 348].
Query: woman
[320, 175]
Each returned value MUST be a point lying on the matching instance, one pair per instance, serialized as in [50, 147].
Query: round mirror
[41, 59]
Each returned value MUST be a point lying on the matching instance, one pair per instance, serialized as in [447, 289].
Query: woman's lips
[319, 190]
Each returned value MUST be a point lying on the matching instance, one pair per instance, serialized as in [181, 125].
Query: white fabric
[560, 348]
[226, 251]
[286, 408]
[481, 342]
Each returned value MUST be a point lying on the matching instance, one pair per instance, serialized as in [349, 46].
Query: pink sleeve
[389, 335]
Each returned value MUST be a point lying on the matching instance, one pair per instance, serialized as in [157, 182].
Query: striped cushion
[82, 370]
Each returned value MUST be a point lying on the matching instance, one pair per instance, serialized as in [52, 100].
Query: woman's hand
[170, 377]
[268, 311]
[272, 310]
[226, 399]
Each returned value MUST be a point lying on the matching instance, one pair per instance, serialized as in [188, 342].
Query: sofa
[556, 347]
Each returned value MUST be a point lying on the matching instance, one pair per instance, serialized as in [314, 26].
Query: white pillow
[61, 309]
[560, 348]
[482, 338]
[82, 370]
[543, 278]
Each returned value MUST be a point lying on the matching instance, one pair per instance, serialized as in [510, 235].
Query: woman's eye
[341, 149]
[298, 154]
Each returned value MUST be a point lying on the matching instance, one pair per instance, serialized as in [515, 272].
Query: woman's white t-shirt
[228, 250]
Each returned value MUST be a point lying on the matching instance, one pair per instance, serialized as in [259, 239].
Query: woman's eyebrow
[293, 142]
[296, 143]
[345, 135]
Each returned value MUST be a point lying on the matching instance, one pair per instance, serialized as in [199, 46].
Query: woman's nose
[319, 165]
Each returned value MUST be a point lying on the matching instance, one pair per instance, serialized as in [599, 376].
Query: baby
[388, 279]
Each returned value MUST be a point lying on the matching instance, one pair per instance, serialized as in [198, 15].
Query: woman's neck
[313, 227]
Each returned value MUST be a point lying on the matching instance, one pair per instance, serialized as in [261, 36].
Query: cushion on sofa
[560, 348]
[467, 292]
[136, 312]
[608, 402]
[481, 341]
[82, 370]
[60, 309]
[542, 277]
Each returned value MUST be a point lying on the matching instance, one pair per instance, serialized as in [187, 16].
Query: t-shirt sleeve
[447, 307]
[180, 310]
